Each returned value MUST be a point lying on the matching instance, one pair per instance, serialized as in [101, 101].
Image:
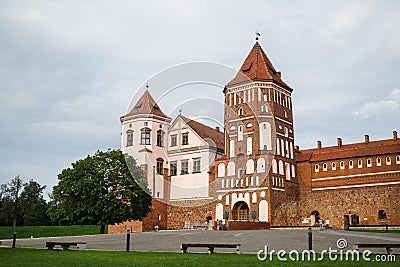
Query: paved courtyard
[251, 241]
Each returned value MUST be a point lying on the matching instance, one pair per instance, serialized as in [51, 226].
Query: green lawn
[6, 232]
[87, 258]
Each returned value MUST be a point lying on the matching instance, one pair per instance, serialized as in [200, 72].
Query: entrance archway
[314, 217]
[240, 211]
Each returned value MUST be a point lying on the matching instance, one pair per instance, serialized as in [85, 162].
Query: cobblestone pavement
[251, 241]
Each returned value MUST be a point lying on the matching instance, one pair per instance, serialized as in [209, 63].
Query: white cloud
[388, 107]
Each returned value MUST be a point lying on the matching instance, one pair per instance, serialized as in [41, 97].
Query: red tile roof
[146, 105]
[381, 147]
[207, 132]
[257, 67]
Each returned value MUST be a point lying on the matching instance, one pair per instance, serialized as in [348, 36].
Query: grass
[87, 258]
[6, 232]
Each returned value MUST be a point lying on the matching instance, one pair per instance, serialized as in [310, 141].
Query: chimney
[319, 144]
[339, 142]
[217, 128]
[394, 135]
[366, 138]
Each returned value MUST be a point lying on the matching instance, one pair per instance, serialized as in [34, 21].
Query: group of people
[221, 224]
[321, 224]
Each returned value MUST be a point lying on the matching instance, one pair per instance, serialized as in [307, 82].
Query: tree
[102, 189]
[13, 189]
[34, 205]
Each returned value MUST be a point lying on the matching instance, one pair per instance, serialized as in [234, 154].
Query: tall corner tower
[259, 140]
[143, 137]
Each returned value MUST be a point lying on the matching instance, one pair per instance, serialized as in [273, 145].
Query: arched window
[240, 112]
[286, 132]
[145, 136]
[249, 145]
[324, 167]
[278, 147]
[378, 162]
[240, 173]
[274, 166]
[231, 169]
[263, 211]
[260, 165]
[129, 138]
[382, 215]
[160, 138]
[281, 169]
[388, 160]
[232, 148]
[221, 170]
[369, 163]
[264, 108]
[351, 164]
[160, 166]
[287, 170]
[316, 168]
[359, 163]
[333, 166]
[265, 136]
[342, 165]
[240, 133]
[250, 166]
[293, 171]
[398, 159]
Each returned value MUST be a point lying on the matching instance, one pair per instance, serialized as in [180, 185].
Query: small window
[378, 162]
[145, 136]
[196, 165]
[342, 165]
[286, 132]
[160, 166]
[316, 168]
[174, 140]
[351, 164]
[382, 215]
[333, 166]
[240, 112]
[173, 168]
[264, 108]
[388, 161]
[185, 138]
[184, 167]
[285, 114]
[359, 163]
[160, 138]
[369, 163]
[325, 167]
[129, 137]
[398, 159]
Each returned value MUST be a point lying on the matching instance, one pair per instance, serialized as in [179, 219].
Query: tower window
[184, 167]
[160, 166]
[398, 159]
[174, 140]
[173, 168]
[129, 136]
[240, 112]
[240, 173]
[160, 138]
[185, 138]
[264, 108]
[196, 165]
[145, 136]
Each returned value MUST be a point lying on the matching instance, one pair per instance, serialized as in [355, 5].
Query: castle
[252, 174]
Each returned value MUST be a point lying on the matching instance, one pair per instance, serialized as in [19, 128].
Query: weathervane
[147, 86]
[180, 112]
[257, 35]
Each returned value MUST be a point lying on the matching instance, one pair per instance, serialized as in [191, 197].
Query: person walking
[223, 224]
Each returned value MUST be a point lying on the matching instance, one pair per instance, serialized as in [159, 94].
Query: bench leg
[50, 247]
[65, 247]
[184, 249]
[238, 249]
[210, 250]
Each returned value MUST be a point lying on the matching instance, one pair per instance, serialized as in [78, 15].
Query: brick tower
[258, 174]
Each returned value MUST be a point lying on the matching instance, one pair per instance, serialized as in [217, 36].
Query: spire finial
[147, 86]
[257, 35]
[180, 112]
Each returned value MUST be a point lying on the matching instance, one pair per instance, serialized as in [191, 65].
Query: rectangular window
[196, 165]
[173, 168]
[145, 138]
[184, 167]
[185, 138]
[160, 137]
[130, 139]
[160, 166]
[174, 140]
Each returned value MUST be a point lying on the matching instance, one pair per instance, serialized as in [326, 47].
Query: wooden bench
[66, 245]
[389, 247]
[210, 247]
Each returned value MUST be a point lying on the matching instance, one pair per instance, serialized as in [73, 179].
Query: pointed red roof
[257, 67]
[146, 105]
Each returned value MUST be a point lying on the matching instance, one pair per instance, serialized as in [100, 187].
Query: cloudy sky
[69, 69]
